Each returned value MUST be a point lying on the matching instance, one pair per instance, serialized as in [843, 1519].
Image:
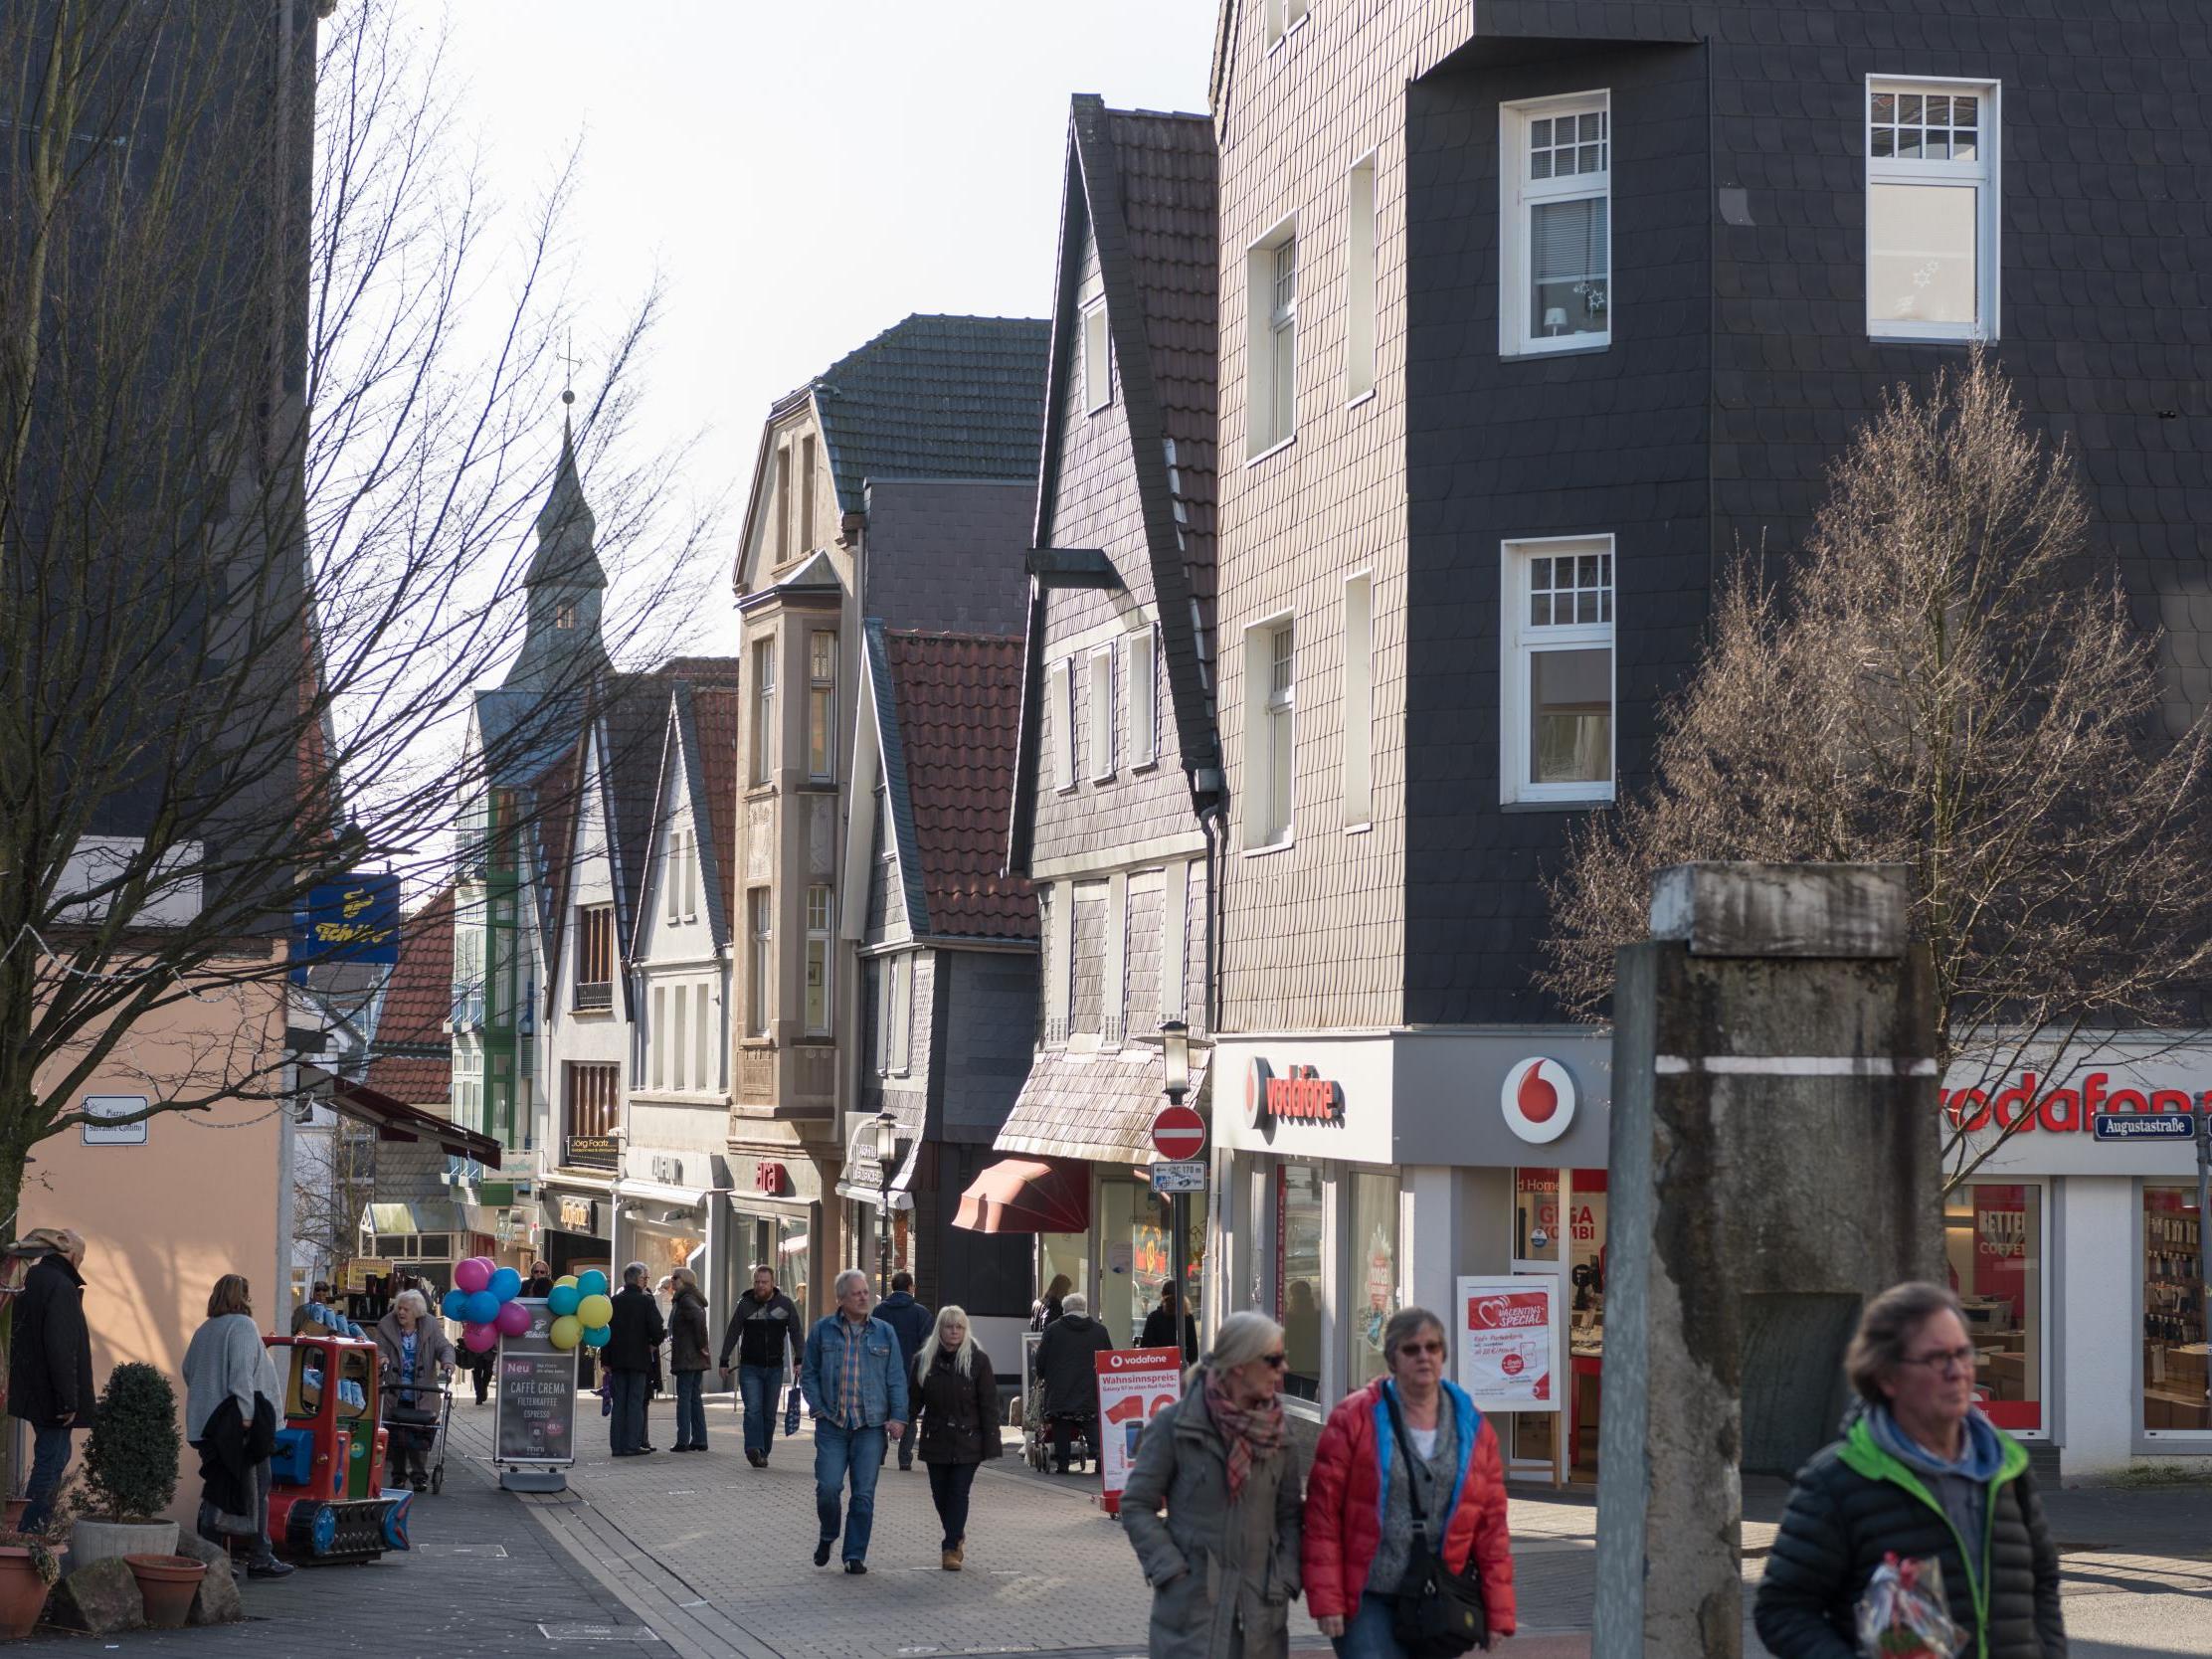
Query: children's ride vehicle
[326, 1500]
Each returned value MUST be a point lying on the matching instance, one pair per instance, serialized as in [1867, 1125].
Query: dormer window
[564, 614]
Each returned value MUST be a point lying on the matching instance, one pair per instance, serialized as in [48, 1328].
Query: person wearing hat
[49, 1365]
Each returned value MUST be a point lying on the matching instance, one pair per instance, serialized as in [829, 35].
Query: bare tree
[1943, 679]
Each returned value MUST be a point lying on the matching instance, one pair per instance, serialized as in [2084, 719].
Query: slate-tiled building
[1118, 794]
[1533, 314]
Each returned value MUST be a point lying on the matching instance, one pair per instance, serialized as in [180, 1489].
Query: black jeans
[948, 1490]
[1064, 1432]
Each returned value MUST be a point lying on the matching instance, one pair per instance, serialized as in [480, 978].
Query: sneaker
[822, 1552]
[857, 1568]
[270, 1568]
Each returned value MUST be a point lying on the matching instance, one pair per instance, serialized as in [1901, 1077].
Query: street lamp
[886, 1155]
[1175, 1057]
[1174, 1069]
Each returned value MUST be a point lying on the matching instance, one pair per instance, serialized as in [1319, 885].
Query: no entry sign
[1178, 1133]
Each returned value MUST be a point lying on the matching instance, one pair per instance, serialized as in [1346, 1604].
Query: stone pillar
[1774, 1163]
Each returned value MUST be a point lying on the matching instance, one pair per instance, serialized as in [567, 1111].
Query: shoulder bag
[1438, 1613]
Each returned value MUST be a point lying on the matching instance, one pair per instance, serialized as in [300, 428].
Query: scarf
[1246, 1434]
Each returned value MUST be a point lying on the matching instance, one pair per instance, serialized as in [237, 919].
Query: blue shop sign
[354, 920]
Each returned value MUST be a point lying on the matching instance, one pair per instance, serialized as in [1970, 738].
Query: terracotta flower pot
[22, 1594]
[167, 1583]
[16, 1509]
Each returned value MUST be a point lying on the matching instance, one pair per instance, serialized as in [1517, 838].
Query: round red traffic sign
[1177, 1132]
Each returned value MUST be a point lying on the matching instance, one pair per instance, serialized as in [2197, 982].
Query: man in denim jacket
[855, 1387]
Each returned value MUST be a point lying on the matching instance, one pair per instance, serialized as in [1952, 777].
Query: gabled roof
[947, 709]
[411, 1057]
[702, 719]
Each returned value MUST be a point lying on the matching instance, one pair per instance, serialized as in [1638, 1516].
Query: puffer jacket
[1855, 1502]
[956, 1417]
[1349, 1492]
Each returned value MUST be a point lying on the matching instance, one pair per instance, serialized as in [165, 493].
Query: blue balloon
[506, 1284]
[597, 1335]
[455, 1304]
[593, 1283]
[482, 1308]
[560, 1300]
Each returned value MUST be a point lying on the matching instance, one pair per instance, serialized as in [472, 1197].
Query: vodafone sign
[1538, 1099]
[1302, 1096]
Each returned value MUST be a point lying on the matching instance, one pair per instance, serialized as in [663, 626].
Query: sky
[800, 175]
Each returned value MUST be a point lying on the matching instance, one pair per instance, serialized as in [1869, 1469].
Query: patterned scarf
[1247, 1433]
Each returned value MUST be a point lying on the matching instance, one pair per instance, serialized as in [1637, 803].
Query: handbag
[791, 1403]
[1436, 1613]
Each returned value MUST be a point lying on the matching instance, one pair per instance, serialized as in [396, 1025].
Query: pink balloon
[471, 1275]
[513, 1320]
[481, 1338]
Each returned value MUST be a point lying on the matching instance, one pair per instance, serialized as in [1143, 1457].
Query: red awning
[395, 1120]
[1028, 1195]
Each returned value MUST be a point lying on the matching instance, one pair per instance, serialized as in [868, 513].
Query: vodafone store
[1463, 1171]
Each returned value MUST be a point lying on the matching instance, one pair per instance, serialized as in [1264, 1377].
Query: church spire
[564, 582]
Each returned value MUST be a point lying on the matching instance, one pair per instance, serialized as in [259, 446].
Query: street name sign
[1183, 1175]
[2147, 1126]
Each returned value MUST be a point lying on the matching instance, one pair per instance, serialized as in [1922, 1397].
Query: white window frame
[690, 874]
[679, 1044]
[764, 710]
[900, 1009]
[760, 928]
[1985, 173]
[1520, 641]
[656, 1038]
[1519, 334]
[1359, 700]
[1270, 765]
[822, 707]
[1060, 692]
[1284, 18]
[1362, 302]
[1101, 697]
[702, 1042]
[1140, 672]
[1271, 338]
[821, 902]
[1098, 359]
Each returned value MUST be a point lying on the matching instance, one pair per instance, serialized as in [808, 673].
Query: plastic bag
[1904, 1614]
[792, 1402]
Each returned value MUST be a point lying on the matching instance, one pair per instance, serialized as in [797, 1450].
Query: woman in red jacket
[1360, 1535]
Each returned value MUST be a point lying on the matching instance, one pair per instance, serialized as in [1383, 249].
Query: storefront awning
[411, 1219]
[395, 1120]
[1028, 1195]
[862, 1178]
[1098, 1106]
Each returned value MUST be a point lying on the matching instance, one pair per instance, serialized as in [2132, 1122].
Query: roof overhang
[395, 1120]
[1072, 567]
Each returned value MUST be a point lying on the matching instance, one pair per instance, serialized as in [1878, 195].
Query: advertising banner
[1509, 1343]
[1135, 1385]
[353, 920]
[534, 1411]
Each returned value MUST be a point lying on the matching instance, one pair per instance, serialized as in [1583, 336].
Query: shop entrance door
[1559, 1230]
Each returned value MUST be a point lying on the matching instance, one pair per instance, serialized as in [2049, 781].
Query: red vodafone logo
[1538, 1099]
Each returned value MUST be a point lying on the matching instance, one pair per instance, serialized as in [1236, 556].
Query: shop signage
[1135, 1385]
[1302, 1096]
[1185, 1175]
[2026, 1106]
[1538, 1099]
[589, 1152]
[576, 1215]
[770, 1177]
[1178, 1133]
[534, 1417]
[2166, 1126]
[667, 1171]
[114, 1134]
[353, 920]
[1509, 1343]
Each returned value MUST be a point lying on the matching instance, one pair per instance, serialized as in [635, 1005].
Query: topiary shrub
[131, 1460]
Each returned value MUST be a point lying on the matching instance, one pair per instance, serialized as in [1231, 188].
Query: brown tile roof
[957, 700]
[410, 1058]
[1098, 1106]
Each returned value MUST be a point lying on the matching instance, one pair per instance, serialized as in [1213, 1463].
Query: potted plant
[130, 1470]
[27, 1569]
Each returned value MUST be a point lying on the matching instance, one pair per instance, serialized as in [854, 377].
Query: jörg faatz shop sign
[1509, 1343]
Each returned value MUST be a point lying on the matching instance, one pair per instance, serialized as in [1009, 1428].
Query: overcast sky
[802, 175]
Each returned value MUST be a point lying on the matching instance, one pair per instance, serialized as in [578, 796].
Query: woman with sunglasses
[1224, 1565]
[1360, 1535]
[1922, 1474]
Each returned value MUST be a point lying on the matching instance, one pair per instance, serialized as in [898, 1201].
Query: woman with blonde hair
[957, 1422]
[232, 1401]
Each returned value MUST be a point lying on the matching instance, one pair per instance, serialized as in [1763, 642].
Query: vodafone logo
[1508, 1312]
[1538, 1100]
[1304, 1096]
[1255, 1091]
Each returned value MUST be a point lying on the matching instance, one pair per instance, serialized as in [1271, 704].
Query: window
[783, 504]
[764, 710]
[2174, 1357]
[822, 705]
[564, 614]
[656, 1039]
[594, 1109]
[1269, 678]
[1272, 301]
[757, 928]
[1098, 360]
[1556, 278]
[1374, 1276]
[1142, 678]
[817, 961]
[1993, 1243]
[690, 874]
[682, 877]
[806, 493]
[702, 1067]
[1359, 700]
[1282, 17]
[1931, 209]
[678, 1049]
[1557, 707]
[1300, 1200]
[898, 1013]
[595, 956]
[1061, 695]
[1359, 283]
[1102, 714]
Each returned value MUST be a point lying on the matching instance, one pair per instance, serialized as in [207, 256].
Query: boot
[951, 1560]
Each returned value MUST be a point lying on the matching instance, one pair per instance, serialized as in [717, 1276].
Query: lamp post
[886, 1155]
[1175, 1067]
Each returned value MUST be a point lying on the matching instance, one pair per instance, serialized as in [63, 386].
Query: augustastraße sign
[2160, 1126]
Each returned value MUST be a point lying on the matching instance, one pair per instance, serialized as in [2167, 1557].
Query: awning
[1028, 1195]
[395, 1120]
[411, 1217]
[863, 1175]
[1098, 1106]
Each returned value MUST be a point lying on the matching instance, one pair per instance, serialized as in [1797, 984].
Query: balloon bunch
[483, 1300]
[581, 1308]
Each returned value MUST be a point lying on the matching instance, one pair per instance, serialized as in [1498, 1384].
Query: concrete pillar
[2096, 1353]
[1430, 1210]
[1774, 1162]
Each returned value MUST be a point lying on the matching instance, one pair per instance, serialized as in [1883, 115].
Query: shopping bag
[791, 1403]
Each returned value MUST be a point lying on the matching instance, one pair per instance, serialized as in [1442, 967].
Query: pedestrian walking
[1160, 1325]
[633, 1347]
[764, 1327]
[1407, 1472]
[689, 1355]
[232, 1401]
[1046, 1311]
[911, 1323]
[956, 1422]
[540, 1281]
[856, 1390]
[1922, 1475]
[49, 1365]
[1067, 1370]
[1223, 1565]
[414, 1352]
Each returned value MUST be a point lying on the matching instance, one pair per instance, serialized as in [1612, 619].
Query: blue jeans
[50, 1456]
[1367, 1633]
[841, 1453]
[756, 1387]
[626, 1429]
[690, 1409]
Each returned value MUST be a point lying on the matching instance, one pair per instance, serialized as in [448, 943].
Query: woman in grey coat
[1224, 1565]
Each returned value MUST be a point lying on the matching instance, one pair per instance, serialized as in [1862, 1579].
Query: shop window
[792, 1248]
[1300, 1204]
[1535, 1215]
[2174, 1348]
[1375, 1274]
[1994, 1245]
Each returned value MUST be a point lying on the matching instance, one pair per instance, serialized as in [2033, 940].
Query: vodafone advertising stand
[1135, 1385]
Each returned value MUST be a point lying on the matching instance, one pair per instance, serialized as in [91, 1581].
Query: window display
[1375, 1274]
[2174, 1347]
[1535, 1215]
[1993, 1241]
[1299, 1207]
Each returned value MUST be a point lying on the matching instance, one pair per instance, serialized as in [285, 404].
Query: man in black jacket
[633, 1340]
[50, 1366]
[764, 1327]
[1066, 1366]
[911, 1323]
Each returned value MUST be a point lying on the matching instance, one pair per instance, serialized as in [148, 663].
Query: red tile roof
[412, 1024]
[959, 703]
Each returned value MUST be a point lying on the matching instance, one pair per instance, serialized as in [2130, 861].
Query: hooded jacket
[50, 1366]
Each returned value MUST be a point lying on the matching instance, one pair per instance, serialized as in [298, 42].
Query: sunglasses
[1410, 1348]
[1276, 1360]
